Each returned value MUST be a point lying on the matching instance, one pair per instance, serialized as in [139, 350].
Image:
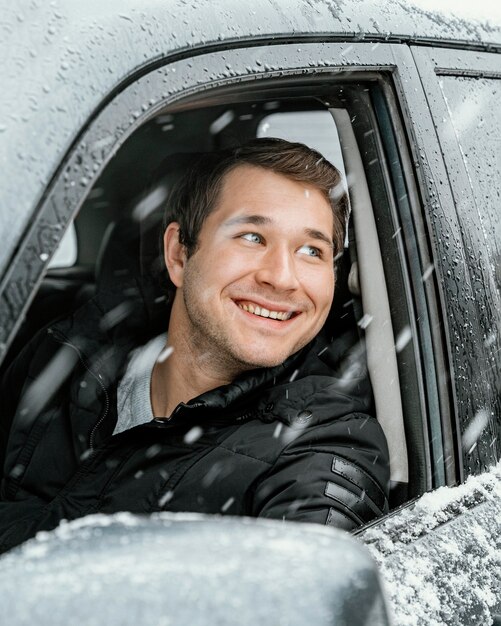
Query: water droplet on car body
[490, 340]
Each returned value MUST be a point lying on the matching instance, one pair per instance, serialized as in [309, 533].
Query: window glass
[66, 253]
[473, 107]
[314, 128]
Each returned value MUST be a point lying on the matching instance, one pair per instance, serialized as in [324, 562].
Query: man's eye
[253, 237]
[310, 251]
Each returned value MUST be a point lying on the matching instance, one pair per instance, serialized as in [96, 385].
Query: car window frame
[196, 81]
[399, 208]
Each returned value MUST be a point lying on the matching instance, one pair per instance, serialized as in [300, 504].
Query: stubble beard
[211, 344]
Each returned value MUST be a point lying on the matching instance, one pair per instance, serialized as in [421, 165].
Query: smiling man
[248, 405]
[258, 287]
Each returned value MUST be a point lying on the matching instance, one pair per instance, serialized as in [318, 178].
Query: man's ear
[174, 254]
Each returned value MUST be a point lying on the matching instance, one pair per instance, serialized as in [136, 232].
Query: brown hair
[196, 194]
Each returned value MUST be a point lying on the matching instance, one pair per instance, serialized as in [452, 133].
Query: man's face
[261, 282]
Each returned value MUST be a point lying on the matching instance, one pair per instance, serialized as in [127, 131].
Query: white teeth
[262, 312]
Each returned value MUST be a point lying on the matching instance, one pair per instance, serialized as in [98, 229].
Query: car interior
[119, 224]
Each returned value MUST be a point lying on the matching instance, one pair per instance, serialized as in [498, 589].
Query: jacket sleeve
[335, 474]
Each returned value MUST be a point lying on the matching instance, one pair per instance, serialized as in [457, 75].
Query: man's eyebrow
[318, 234]
[257, 220]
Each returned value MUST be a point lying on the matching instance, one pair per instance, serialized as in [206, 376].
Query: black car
[99, 98]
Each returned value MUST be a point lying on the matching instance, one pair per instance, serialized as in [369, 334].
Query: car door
[450, 538]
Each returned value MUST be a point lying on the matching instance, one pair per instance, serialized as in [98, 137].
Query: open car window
[117, 189]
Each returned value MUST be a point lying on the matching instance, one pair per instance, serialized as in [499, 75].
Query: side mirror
[191, 569]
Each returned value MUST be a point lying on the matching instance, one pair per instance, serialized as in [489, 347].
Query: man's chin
[263, 359]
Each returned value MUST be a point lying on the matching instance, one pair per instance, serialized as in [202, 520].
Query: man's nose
[278, 269]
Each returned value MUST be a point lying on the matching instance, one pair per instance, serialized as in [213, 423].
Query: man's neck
[184, 375]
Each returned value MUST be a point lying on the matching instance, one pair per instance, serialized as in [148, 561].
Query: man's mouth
[262, 312]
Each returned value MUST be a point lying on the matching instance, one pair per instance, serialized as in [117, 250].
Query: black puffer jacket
[294, 442]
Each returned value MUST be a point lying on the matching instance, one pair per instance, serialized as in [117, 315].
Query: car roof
[62, 59]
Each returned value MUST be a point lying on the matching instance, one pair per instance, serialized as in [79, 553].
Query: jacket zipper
[65, 341]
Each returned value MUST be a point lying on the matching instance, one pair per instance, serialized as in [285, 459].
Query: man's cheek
[208, 294]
